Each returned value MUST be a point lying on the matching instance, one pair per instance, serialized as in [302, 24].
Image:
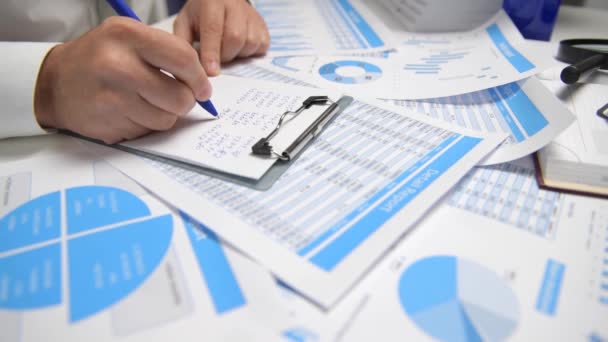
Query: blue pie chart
[362, 72]
[454, 299]
[111, 242]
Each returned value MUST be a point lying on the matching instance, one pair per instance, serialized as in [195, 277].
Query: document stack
[364, 182]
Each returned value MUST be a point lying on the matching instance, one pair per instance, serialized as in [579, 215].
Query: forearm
[20, 63]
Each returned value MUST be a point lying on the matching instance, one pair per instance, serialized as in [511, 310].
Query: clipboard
[263, 148]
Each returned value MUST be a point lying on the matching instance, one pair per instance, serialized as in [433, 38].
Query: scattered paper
[425, 66]
[465, 277]
[87, 254]
[527, 111]
[322, 26]
[338, 207]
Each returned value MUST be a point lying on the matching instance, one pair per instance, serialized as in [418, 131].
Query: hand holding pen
[108, 84]
[124, 10]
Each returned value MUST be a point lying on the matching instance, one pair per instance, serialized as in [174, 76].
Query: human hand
[226, 29]
[108, 84]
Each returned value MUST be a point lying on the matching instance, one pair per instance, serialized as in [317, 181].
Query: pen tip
[209, 107]
[212, 110]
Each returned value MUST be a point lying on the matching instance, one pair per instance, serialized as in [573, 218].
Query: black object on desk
[584, 55]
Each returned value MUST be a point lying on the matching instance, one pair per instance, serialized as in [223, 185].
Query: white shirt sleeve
[19, 66]
[23, 21]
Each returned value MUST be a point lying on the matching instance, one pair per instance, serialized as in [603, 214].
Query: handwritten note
[249, 110]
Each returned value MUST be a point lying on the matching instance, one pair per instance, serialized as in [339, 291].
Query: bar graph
[433, 63]
[318, 25]
[508, 193]
[447, 64]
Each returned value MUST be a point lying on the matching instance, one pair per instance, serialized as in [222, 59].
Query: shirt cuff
[20, 63]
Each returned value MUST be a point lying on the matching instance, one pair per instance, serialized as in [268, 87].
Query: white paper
[248, 68]
[338, 207]
[527, 111]
[86, 254]
[586, 141]
[249, 110]
[322, 26]
[309, 322]
[427, 66]
[527, 265]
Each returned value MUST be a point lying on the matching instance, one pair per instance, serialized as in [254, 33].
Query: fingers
[227, 29]
[120, 129]
[125, 116]
[182, 27]
[258, 38]
[176, 56]
[108, 84]
[111, 130]
[245, 33]
[138, 118]
[211, 30]
[163, 91]
[128, 103]
[147, 111]
[130, 129]
[150, 117]
[235, 31]
[262, 34]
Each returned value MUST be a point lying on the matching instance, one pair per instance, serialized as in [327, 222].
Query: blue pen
[124, 10]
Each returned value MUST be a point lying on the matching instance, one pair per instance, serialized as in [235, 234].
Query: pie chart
[454, 299]
[107, 236]
[350, 72]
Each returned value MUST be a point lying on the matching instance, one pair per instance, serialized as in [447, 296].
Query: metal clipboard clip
[264, 148]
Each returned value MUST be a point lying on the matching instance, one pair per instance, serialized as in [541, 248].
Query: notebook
[577, 160]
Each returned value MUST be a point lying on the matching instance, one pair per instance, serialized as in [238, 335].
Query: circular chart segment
[453, 299]
[350, 72]
[111, 240]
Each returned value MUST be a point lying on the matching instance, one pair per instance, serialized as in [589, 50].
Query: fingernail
[204, 92]
[212, 67]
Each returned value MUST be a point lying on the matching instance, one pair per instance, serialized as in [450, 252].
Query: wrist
[44, 104]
